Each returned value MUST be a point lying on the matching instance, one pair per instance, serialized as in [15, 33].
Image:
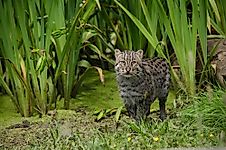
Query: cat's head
[128, 63]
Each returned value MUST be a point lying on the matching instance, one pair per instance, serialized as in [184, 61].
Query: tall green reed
[216, 17]
[144, 24]
[40, 48]
[182, 32]
[169, 21]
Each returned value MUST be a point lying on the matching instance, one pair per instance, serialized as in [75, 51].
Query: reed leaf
[217, 15]
[152, 40]
[183, 36]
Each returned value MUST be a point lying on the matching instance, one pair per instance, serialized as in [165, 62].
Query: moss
[8, 114]
[96, 95]
[92, 94]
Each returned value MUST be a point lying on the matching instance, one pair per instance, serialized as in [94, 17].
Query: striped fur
[141, 81]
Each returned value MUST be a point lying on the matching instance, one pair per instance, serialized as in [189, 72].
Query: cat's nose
[127, 69]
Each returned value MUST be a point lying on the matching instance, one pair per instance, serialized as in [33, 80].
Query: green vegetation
[41, 51]
[8, 114]
[199, 124]
[59, 54]
[96, 95]
[45, 56]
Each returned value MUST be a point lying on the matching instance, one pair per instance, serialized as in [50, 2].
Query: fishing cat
[141, 81]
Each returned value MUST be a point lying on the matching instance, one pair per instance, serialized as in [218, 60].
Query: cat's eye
[123, 62]
[133, 62]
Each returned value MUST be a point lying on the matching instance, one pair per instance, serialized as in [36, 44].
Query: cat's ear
[117, 52]
[140, 53]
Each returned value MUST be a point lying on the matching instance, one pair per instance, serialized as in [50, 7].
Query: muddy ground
[66, 122]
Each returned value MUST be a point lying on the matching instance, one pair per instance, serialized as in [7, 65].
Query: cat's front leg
[131, 109]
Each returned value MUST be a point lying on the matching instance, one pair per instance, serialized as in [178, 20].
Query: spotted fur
[141, 81]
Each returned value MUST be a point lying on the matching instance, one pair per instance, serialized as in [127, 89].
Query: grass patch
[200, 123]
[209, 110]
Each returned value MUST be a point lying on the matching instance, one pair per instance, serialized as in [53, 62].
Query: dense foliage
[48, 46]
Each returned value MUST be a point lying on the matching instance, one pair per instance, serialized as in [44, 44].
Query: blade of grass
[141, 27]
